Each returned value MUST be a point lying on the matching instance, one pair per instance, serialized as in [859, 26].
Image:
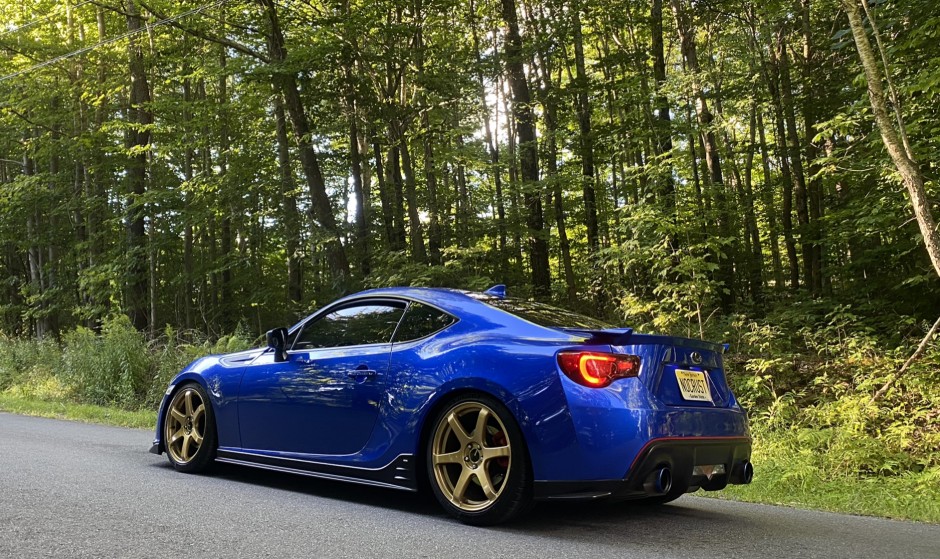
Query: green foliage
[118, 367]
[670, 283]
[460, 271]
[174, 350]
[113, 368]
[809, 397]
[23, 361]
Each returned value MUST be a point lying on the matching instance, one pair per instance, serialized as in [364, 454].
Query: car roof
[455, 301]
[465, 305]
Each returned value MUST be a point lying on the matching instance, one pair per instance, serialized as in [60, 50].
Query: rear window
[420, 321]
[546, 315]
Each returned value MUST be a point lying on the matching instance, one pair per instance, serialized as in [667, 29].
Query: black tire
[481, 478]
[189, 421]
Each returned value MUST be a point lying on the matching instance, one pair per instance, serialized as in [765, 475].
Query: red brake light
[597, 369]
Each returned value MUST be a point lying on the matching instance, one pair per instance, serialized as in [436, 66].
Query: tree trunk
[360, 174]
[750, 216]
[810, 151]
[188, 156]
[528, 153]
[362, 204]
[416, 235]
[663, 122]
[291, 216]
[138, 139]
[385, 198]
[434, 230]
[435, 240]
[226, 303]
[586, 138]
[547, 98]
[770, 207]
[320, 200]
[686, 32]
[771, 78]
[794, 152]
[493, 150]
[903, 160]
[396, 196]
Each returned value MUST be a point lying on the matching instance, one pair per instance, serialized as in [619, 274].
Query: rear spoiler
[609, 336]
[626, 336]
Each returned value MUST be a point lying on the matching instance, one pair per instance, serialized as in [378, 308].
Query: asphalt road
[76, 490]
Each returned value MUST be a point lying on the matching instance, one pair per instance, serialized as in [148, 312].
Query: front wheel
[189, 429]
[477, 462]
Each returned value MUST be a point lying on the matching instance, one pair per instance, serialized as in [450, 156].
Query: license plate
[694, 386]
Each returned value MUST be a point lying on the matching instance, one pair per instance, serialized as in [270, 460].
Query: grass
[909, 496]
[900, 497]
[87, 413]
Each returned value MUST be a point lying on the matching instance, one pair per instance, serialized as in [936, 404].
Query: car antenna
[498, 290]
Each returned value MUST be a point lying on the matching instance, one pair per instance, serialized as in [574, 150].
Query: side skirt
[397, 474]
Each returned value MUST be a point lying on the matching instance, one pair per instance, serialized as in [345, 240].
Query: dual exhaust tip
[659, 481]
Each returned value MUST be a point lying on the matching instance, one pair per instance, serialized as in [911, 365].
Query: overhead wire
[40, 20]
[110, 40]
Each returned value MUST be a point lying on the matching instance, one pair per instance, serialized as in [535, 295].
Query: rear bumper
[680, 455]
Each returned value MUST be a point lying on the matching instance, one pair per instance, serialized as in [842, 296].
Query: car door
[325, 398]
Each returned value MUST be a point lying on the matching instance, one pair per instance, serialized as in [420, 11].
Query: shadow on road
[616, 522]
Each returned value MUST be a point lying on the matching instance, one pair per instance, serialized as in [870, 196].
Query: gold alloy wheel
[185, 426]
[471, 456]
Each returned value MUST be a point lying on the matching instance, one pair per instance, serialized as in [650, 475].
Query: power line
[83, 50]
[39, 20]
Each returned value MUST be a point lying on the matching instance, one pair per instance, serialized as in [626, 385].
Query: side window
[372, 323]
[420, 321]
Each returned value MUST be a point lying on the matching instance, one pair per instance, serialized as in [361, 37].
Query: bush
[809, 394]
[175, 349]
[23, 360]
[115, 368]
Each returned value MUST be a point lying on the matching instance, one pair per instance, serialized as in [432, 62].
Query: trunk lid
[674, 369]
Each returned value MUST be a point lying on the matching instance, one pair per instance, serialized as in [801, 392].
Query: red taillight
[597, 369]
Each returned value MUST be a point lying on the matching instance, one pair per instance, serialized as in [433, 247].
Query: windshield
[545, 315]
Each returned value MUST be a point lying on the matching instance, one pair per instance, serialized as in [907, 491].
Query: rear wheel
[189, 429]
[477, 462]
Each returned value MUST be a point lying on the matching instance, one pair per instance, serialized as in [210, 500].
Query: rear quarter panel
[425, 374]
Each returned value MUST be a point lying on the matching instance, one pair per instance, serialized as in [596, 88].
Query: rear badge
[696, 358]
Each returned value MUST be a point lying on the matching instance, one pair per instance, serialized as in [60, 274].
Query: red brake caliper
[499, 439]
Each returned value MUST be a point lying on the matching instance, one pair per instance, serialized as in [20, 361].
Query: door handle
[361, 373]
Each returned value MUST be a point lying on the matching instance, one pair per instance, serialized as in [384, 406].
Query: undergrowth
[119, 367]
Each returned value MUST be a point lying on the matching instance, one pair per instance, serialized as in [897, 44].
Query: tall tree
[138, 143]
[286, 81]
[583, 103]
[528, 152]
[900, 154]
[686, 31]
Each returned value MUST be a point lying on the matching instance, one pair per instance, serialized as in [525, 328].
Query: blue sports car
[492, 402]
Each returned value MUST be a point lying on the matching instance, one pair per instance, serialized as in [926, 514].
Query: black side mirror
[277, 340]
